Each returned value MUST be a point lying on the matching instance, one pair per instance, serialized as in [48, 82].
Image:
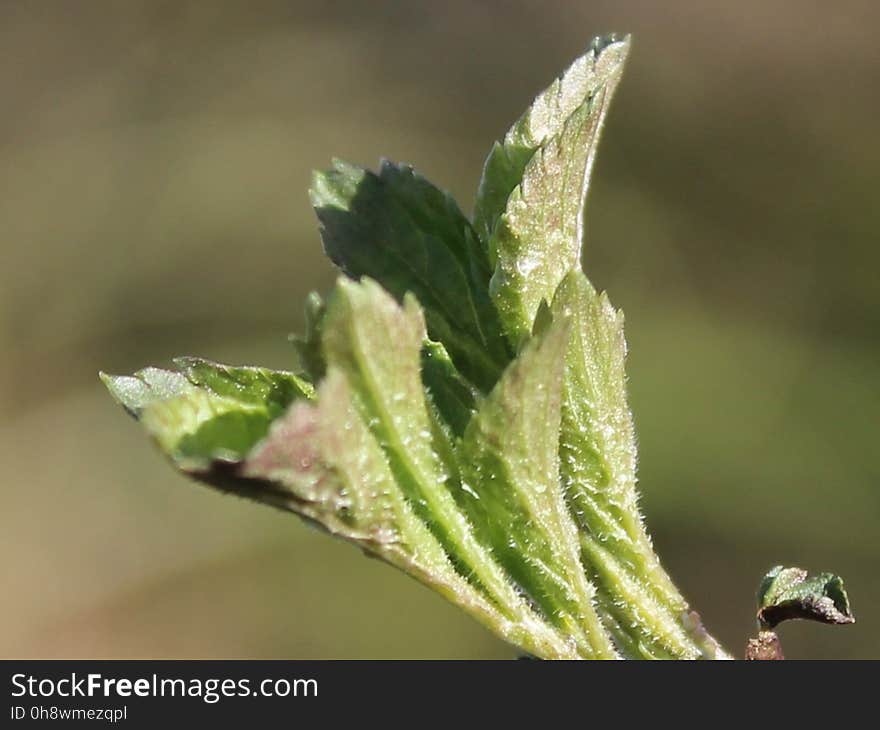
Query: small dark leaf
[789, 593]
[397, 228]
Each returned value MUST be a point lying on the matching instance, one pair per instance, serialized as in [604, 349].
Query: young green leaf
[206, 412]
[510, 471]
[597, 71]
[639, 603]
[397, 228]
[530, 202]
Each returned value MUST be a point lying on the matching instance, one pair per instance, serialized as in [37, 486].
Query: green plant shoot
[457, 405]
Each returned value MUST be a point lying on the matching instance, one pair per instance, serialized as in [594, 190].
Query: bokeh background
[154, 160]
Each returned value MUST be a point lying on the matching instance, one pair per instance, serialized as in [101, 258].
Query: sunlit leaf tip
[530, 202]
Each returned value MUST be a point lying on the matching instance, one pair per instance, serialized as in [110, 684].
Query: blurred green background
[154, 160]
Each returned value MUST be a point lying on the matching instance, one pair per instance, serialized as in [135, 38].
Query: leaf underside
[457, 405]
